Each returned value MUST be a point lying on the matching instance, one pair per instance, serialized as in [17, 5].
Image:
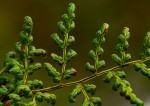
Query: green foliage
[145, 52]
[121, 47]
[76, 91]
[49, 98]
[90, 88]
[143, 68]
[108, 77]
[14, 97]
[89, 67]
[70, 72]
[88, 101]
[34, 67]
[21, 63]
[3, 92]
[95, 100]
[52, 72]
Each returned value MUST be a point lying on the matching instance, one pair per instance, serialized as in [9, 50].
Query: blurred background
[90, 15]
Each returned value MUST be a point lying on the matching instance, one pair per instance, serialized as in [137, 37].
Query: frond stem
[64, 57]
[26, 64]
[85, 94]
[90, 77]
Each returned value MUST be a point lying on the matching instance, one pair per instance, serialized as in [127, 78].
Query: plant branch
[90, 77]
[64, 57]
[34, 100]
[96, 61]
[26, 64]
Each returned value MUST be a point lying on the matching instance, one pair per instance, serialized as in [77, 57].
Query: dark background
[90, 15]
